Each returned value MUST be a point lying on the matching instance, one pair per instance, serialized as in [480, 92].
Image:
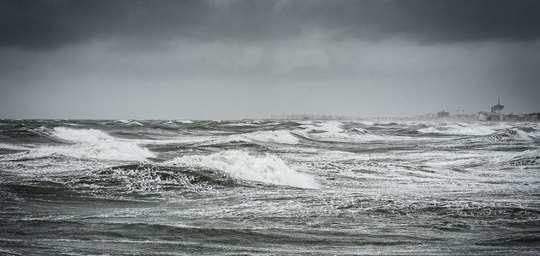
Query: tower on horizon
[497, 108]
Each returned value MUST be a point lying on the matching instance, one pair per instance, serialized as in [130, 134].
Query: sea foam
[243, 165]
[460, 129]
[279, 136]
[334, 131]
[95, 144]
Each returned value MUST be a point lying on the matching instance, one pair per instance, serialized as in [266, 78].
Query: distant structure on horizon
[497, 108]
[497, 115]
[443, 114]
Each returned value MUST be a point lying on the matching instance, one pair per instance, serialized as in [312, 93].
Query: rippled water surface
[269, 188]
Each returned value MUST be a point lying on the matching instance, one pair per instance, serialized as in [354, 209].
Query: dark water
[269, 188]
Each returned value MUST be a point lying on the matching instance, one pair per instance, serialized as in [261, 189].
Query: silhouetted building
[442, 114]
[497, 108]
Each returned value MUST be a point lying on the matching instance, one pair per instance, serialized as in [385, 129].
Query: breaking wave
[526, 158]
[242, 165]
[334, 131]
[280, 136]
[129, 122]
[95, 144]
[508, 135]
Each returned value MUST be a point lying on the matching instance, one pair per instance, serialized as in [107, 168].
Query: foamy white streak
[242, 165]
[333, 131]
[13, 147]
[463, 129]
[280, 136]
[130, 122]
[95, 144]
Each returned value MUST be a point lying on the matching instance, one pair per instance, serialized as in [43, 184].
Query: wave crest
[334, 131]
[459, 129]
[148, 178]
[242, 165]
[95, 144]
[279, 136]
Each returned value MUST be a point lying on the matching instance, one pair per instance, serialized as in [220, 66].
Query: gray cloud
[220, 80]
[223, 59]
[53, 23]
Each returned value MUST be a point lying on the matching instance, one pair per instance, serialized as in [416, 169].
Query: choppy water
[268, 188]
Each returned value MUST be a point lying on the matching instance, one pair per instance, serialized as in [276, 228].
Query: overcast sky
[228, 59]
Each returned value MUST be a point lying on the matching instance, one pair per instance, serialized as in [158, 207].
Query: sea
[269, 187]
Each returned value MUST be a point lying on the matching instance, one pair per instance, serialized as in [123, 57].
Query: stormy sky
[228, 59]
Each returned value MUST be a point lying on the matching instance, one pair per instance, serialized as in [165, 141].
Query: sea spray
[243, 165]
[95, 144]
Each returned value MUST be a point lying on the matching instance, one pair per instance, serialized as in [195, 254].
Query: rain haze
[234, 59]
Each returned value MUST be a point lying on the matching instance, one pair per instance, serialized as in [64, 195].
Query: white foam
[241, 124]
[95, 144]
[460, 129]
[334, 131]
[13, 147]
[535, 135]
[184, 139]
[521, 135]
[332, 127]
[130, 122]
[279, 136]
[242, 165]
[184, 121]
[330, 130]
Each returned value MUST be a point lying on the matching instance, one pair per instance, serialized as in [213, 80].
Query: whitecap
[13, 147]
[279, 136]
[243, 165]
[130, 122]
[460, 129]
[333, 131]
[94, 144]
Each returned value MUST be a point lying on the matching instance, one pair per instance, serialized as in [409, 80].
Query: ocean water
[269, 187]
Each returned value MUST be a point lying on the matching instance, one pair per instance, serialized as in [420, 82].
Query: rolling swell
[29, 134]
[453, 209]
[124, 183]
[148, 178]
[151, 238]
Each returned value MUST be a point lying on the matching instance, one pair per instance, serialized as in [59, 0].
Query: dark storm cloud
[55, 23]
[49, 24]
